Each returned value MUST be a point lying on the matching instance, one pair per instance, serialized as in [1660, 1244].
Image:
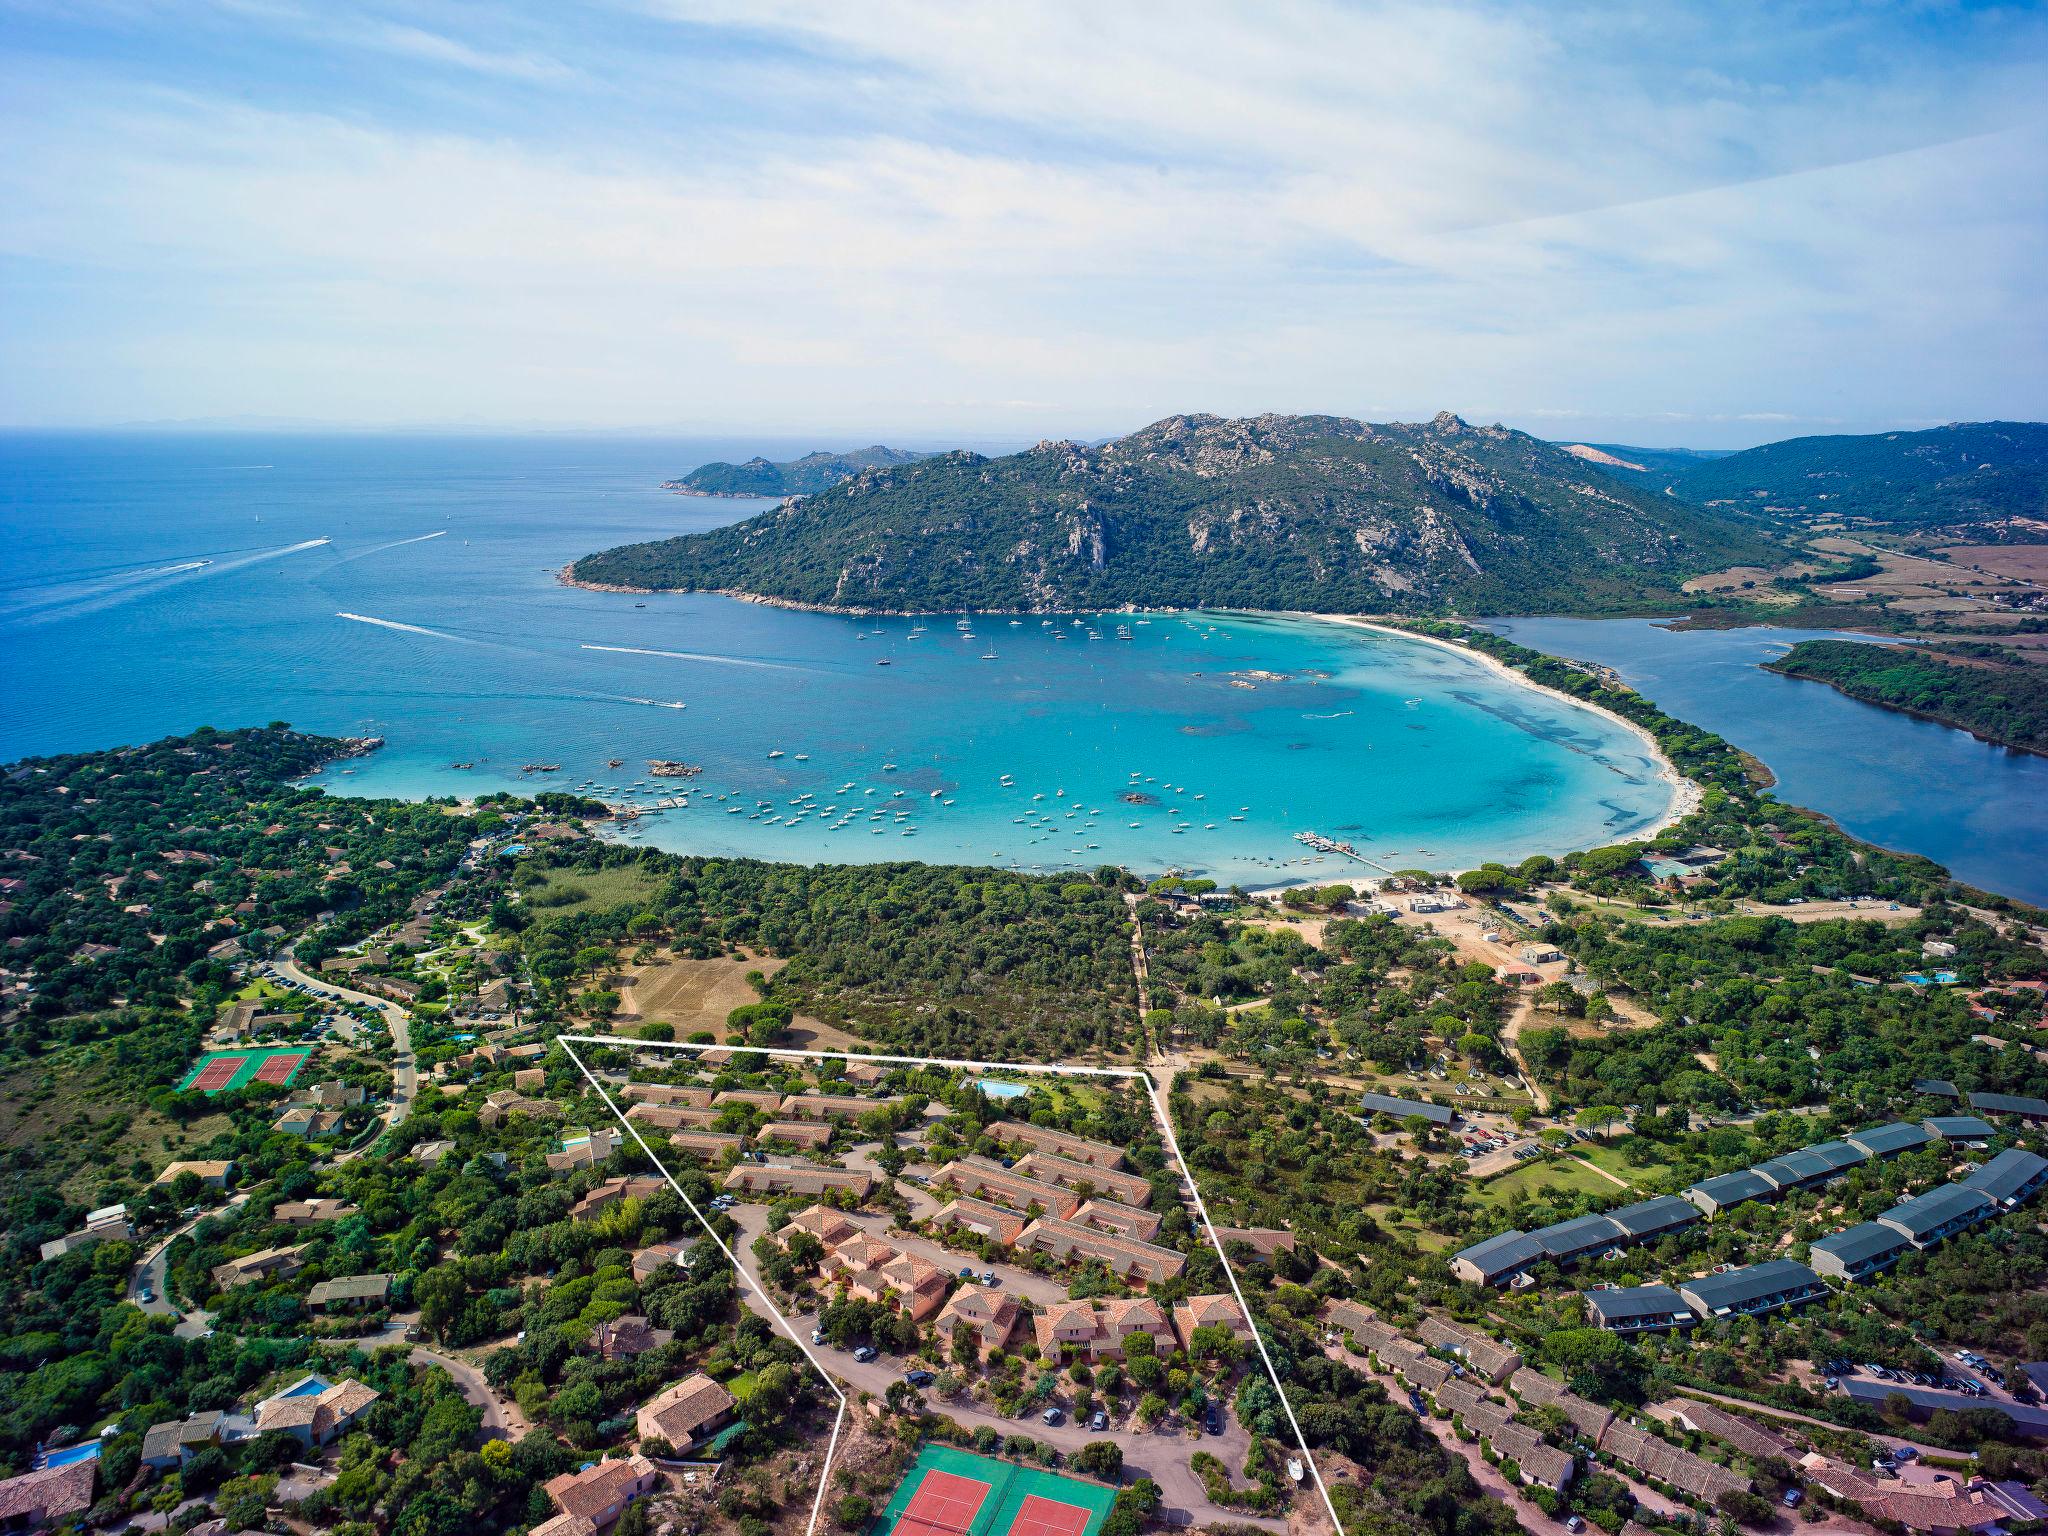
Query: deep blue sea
[405, 587]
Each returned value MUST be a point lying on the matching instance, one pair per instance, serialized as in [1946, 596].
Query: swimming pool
[312, 1386]
[996, 1088]
[71, 1453]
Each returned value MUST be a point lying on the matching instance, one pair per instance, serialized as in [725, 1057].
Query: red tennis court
[946, 1501]
[279, 1069]
[1040, 1516]
[217, 1073]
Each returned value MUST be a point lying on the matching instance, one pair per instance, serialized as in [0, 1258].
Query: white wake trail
[146, 583]
[408, 629]
[378, 549]
[728, 661]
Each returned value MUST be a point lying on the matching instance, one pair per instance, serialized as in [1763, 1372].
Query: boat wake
[730, 661]
[378, 549]
[411, 629]
[76, 599]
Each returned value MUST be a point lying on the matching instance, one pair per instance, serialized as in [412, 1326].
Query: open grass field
[568, 890]
[218, 1071]
[1651, 1178]
[950, 1492]
[81, 1127]
[1565, 1176]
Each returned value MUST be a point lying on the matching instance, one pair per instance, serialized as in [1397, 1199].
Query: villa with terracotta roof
[873, 1270]
[611, 1192]
[269, 1264]
[306, 1213]
[798, 1133]
[600, 1493]
[753, 1098]
[694, 1407]
[214, 1175]
[709, 1144]
[983, 1219]
[1077, 1149]
[1099, 1332]
[831, 1106]
[38, 1499]
[1006, 1186]
[1263, 1242]
[673, 1117]
[798, 1179]
[658, 1258]
[628, 1337]
[994, 1317]
[822, 1222]
[1124, 1220]
[1204, 1311]
[1054, 1169]
[314, 1413]
[1125, 1256]
[662, 1093]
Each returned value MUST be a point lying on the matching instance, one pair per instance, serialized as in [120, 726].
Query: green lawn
[1653, 1177]
[1565, 1177]
[599, 892]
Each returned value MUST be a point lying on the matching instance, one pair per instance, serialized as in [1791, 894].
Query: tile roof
[679, 1413]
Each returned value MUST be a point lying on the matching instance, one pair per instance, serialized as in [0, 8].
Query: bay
[405, 587]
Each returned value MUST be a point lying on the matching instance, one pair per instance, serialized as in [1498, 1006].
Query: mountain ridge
[1320, 513]
[805, 476]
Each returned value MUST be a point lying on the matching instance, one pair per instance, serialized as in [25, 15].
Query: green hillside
[1969, 472]
[1302, 512]
[806, 476]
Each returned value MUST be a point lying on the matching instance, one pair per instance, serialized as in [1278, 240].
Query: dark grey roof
[1734, 1188]
[1936, 1209]
[1400, 1109]
[1886, 1140]
[2010, 1104]
[1936, 1087]
[1563, 1239]
[1629, 1302]
[1502, 1254]
[1804, 1166]
[1836, 1154]
[1865, 1243]
[1658, 1214]
[2007, 1174]
[1960, 1127]
[1739, 1289]
[2033, 1421]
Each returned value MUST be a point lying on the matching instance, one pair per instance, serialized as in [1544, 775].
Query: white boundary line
[1054, 1069]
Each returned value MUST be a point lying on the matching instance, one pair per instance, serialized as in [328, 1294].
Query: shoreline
[1685, 795]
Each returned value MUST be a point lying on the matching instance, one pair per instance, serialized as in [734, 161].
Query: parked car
[918, 1378]
[1794, 1498]
[817, 1335]
[988, 1277]
[1098, 1420]
[1214, 1421]
[865, 1353]
[1053, 1416]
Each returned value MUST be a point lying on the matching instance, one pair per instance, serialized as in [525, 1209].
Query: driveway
[149, 1274]
[502, 1417]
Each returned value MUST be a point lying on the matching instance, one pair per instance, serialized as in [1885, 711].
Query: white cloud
[943, 213]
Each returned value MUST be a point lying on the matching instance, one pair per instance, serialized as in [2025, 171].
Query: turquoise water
[404, 587]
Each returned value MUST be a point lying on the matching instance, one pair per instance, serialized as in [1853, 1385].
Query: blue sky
[1654, 223]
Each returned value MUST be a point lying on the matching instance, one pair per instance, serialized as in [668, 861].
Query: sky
[1662, 224]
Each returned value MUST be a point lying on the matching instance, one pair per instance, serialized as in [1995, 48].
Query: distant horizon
[783, 442]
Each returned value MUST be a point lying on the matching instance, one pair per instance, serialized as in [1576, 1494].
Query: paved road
[149, 1274]
[404, 1076]
[502, 1418]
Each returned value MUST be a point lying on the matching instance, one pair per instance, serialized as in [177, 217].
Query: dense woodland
[807, 476]
[1987, 690]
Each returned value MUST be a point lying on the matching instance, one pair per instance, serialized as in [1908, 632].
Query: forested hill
[1968, 472]
[806, 476]
[1987, 690]
[1299, 512]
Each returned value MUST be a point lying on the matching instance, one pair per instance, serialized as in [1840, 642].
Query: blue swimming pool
[312, 1386]
[996, 1088]
[71, 1453]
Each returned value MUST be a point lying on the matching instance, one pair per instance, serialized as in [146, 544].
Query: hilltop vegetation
[1987, 690]
[1298, 512]
[1964, 473]
[806, 476]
